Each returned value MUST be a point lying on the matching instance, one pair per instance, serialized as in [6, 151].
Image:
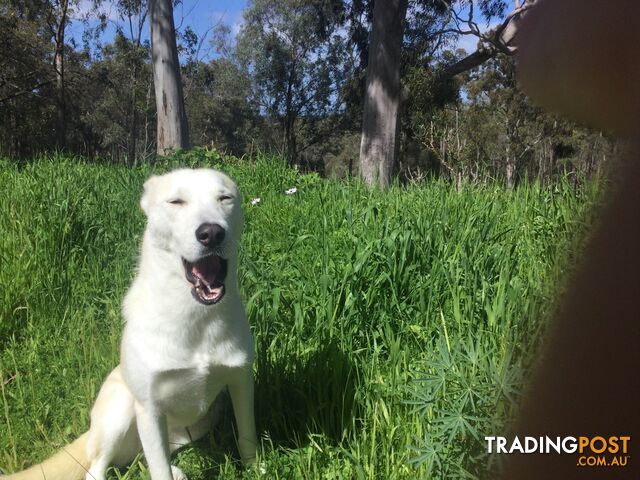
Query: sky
[200, 15]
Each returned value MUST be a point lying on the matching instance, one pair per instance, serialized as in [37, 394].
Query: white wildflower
[255, 201]
[291, 191]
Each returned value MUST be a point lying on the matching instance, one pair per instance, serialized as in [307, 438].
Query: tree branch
[25, 92]
[498, 40]
[469, 62]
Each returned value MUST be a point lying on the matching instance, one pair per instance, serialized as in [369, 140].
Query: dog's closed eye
[177, 201]
[225, 198]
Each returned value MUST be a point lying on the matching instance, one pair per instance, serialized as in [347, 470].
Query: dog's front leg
[242, 400]
[152, 428]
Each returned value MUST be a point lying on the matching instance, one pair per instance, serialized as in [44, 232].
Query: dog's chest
[185, 394]
[180, 366]
[186, 390]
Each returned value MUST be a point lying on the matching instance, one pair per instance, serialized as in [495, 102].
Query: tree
[172, 129]
[297, 59]
[33, 61]
[135, 12]
[119, 101]
[25, 81]
[220, 112]
[380, 123]
[58, 20]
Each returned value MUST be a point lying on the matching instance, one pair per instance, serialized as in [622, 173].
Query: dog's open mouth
[207, 277]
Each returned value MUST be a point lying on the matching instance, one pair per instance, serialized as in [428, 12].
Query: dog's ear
[148, 196]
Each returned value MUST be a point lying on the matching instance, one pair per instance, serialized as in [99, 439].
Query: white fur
[176, 354]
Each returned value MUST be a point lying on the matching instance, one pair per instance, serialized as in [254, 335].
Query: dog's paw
[178, 474]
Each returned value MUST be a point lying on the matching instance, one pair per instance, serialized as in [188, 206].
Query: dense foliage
[291, 81]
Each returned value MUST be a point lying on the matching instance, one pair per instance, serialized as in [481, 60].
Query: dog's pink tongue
[207, 269]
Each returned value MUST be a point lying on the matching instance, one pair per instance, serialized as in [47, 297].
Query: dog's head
[196, 215]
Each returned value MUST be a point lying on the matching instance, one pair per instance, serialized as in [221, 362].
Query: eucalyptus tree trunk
[61, 120]
[379, 145]
[172, 119]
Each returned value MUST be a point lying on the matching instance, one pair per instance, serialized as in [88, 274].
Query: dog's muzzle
[207, 277]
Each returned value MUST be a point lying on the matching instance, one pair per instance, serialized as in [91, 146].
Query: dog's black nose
[210, 234]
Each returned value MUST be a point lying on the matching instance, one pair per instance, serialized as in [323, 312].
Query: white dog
[186, 337]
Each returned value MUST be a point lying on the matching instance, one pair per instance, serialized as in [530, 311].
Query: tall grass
[394, 330]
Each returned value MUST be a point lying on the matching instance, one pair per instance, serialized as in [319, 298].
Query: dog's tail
[70, 463]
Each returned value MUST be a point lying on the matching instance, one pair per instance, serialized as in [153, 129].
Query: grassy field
[393, 330]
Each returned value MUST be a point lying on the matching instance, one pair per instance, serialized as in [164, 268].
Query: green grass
[394, 329]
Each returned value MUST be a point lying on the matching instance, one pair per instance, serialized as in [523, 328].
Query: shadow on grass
[296, 397]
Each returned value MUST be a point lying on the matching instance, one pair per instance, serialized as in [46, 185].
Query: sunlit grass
[393, 329]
